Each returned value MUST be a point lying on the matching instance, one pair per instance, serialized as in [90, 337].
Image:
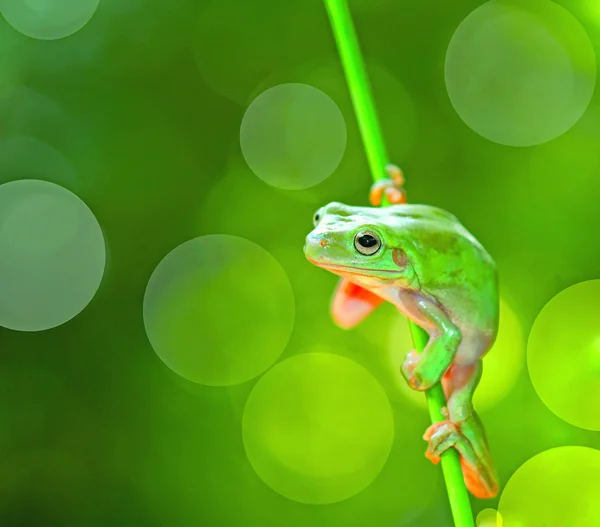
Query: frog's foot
[418, 378]
[408, 370]
[441, 436]
[391, 188]
[479, 477]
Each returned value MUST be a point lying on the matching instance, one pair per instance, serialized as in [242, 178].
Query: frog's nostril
[323, 243]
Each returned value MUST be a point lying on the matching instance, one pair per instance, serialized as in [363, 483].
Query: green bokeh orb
[318, 428]
[563, 355]
[293, 136]
[53, 255]
[48, 19]
[558, 487]
[520, 73]
[219, 310]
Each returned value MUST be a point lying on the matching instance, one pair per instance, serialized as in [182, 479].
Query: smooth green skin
[443, 280]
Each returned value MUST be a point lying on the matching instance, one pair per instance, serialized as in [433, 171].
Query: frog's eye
[367, 243]
[317, 217]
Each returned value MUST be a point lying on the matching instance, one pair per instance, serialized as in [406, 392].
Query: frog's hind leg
[352, 303]
[464, 431]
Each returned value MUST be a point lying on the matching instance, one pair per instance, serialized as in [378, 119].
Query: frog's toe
[411, 360]
[388, 188]
[408, 370]
[377, 191]
[395, 195]
[441, 436]
[396, 175]
[417, 378]
[417, 382]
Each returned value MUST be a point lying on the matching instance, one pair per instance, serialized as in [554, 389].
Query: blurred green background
[139, 114]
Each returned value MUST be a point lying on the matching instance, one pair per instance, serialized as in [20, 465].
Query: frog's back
[426, 213]
[433, 233]
[451, 265]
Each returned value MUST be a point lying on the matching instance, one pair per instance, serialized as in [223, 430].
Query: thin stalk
[368, 123]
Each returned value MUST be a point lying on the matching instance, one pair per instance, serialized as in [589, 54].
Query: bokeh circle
[219, 310]
[293, 136]
[520, 73]
[52, 255]
[48, 19]
[318, 428]
[563, 355]
[559, 486]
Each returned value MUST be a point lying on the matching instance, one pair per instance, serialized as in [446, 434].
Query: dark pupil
[366, 240]
[316, 217]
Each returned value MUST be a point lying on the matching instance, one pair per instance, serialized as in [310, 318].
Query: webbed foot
[408, 370]
[392, 188]
[419, 376]
[441, 436]
[478, 475]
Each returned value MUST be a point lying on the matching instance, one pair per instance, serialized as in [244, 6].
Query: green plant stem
[364, 106]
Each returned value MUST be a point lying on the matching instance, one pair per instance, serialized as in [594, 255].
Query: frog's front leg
[424, 370]
[463, 431]
[392, 188]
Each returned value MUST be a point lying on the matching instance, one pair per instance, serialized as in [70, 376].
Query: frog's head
[358, 243]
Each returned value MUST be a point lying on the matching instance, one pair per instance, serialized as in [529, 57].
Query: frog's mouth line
[351, 270]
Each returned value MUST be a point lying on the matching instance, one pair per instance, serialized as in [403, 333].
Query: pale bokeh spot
[53, 255]
[557, 487]
[400, 121]
[48, 19]
[520, 73]
[219, 310]
[318, 428]
[489, 518]
[563, 355]
[293, 136]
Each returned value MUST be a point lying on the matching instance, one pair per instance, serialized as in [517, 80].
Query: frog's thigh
[352, 303]
[459, 384]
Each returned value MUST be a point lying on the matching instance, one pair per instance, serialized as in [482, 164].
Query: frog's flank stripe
[368, 123]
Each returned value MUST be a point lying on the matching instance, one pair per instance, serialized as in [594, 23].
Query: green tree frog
[422, 260]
